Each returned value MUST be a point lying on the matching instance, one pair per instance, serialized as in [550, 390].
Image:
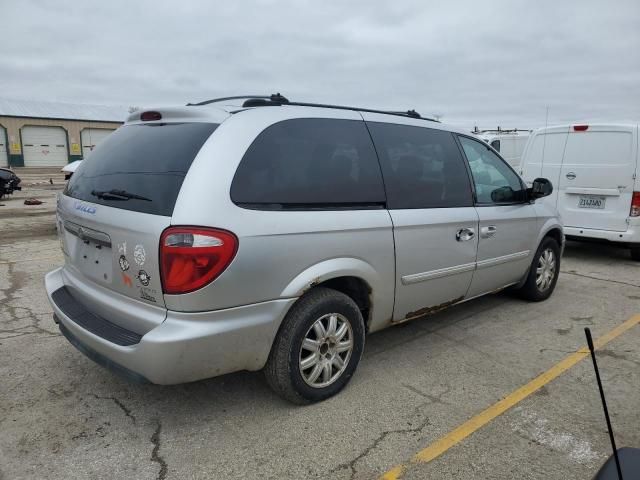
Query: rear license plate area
[592, 201]
[94, 260]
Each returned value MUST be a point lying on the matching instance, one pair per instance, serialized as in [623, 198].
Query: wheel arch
[351, 276]
[551, 229]
[556, 234]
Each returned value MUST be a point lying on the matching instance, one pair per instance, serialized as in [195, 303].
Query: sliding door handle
[488, 232]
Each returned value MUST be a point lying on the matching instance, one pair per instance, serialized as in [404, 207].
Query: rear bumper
[631, 235]
[186, 346]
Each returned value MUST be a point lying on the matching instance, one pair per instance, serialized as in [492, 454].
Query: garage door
[44, 146]
[91, 137]
[4, 159]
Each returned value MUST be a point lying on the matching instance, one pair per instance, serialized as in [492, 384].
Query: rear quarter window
[310, 164]
[144, 160]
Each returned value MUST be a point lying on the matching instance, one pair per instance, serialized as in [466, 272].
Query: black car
[9, 182]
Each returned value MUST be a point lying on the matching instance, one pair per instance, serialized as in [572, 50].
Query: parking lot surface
[62, 416]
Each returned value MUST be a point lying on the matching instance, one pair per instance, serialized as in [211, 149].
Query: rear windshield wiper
[115, 194]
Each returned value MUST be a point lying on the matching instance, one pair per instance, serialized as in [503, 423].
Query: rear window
[310, 164]
[143, 164]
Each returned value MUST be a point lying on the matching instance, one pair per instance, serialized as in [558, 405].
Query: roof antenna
[587, 332]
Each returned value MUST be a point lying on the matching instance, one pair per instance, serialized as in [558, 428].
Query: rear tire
[635, 253]
[318, 347]
[543, 274]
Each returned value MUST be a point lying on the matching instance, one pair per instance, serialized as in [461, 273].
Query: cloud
[497, 63]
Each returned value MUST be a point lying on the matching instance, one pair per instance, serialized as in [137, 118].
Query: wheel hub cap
[546, 270]
[326, 350]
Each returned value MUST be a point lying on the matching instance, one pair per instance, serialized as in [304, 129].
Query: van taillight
[192, 257]
[635, 205]
[580, 128]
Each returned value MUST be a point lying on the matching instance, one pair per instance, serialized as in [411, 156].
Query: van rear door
[543, 158]
[596, 178]
[119, 201]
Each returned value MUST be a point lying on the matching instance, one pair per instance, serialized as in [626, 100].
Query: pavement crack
[123, 407]
[351, 465]
[428, 396]
[605, 352]
[18, 313]
[20, 332]
[155, 456]
[542, 350]
[573, 272]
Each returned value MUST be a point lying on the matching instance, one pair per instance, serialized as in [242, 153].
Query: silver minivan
[208, 239]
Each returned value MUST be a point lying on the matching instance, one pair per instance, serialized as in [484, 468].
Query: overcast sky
[486, 63]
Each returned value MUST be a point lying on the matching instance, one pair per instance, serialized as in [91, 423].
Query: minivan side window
[310, 163]
[495, 182]
[422, 167]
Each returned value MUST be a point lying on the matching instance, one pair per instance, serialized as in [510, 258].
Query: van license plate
[591, 201]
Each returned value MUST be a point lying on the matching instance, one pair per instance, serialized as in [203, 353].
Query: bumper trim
[91, 322]
[101, 359]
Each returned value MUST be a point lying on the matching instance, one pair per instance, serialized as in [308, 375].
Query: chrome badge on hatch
[83, 207]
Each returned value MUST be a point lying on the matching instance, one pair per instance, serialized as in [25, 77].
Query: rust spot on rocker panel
[423, 312]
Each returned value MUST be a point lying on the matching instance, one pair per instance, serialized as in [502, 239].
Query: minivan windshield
[140, 167]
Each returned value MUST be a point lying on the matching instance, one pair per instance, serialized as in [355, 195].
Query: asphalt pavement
[62, 416]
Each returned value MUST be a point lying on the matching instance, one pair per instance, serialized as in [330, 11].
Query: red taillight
[635, 205]
[580, 128]
[192, 257]
[150, 116]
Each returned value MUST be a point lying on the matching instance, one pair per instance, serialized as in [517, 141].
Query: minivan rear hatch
[119, 201]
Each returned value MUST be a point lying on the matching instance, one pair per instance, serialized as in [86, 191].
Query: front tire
[543, 274]
[318, 347]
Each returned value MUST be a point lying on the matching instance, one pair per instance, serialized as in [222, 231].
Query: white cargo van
[594, 171]
[510, 143]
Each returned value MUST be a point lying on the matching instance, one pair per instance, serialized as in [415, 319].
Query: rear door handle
[465, 234]
[488, 231]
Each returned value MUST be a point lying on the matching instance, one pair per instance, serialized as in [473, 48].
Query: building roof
[62, 111]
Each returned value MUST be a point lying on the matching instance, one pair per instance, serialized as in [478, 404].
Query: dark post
[604, 402]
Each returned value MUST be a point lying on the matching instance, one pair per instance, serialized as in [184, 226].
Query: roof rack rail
[500, 130]
[237, 97]
[277, 99]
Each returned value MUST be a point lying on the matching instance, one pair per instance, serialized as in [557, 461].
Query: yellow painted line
[454, 437]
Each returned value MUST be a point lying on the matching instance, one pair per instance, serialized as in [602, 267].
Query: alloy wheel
[546, 269]
[326, 350]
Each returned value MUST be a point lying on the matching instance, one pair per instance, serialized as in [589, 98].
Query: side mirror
[541, 187]
[503, 194]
